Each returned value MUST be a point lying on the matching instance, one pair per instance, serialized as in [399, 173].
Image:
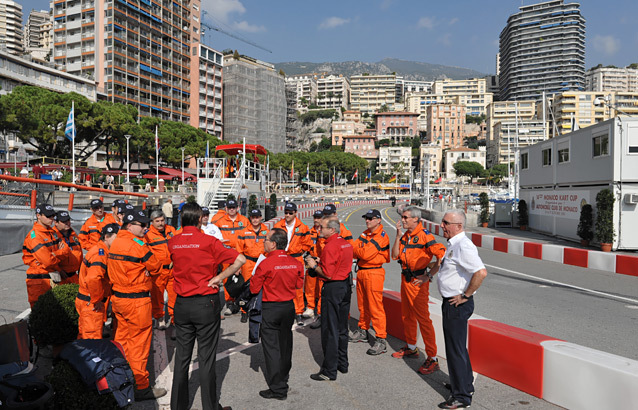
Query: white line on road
[23, 314]
[595, 292]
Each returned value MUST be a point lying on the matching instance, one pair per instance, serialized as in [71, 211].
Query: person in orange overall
[70, 265]
[250, 243]
[231, 224]
[313, 285]
[415, 250]
[330, 210]
[157, 239]
[221, 212]
[299, 242]
[118, 207]
[131, 265]
[92, 228]
[372, 249]
[42, 252]
[91, 300]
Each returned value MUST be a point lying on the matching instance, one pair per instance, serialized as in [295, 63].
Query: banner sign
[564, 204]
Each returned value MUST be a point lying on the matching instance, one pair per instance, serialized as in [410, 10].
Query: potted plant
[605, 232]
[523, 216]
[484, 217]
[585, 225]
[271, 208]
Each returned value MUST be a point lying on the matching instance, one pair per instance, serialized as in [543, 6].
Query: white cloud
[454, 20]
[608, 45]
[332, 22]
[426, 22]
[247, 27]
[445, 39]
[222, 9]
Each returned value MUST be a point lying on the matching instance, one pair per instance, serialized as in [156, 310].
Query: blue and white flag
[69, 131]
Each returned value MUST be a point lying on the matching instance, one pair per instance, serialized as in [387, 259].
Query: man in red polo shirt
[279, 276]
[196, 258]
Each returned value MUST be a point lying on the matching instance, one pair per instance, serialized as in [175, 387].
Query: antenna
[218, 29]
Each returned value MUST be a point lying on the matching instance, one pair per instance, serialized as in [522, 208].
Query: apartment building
[395, 160]
[501, 149]
[254, 103]
[361, 145]
[305, 86]
[333, 91]
[502, 111]
[11, 33]
[430, 156]
[412, 86]
[608, 79]
[341, 129]
[542, 48]
[369, 92]
[206, 92]
[33, 37]
[354, 116]
[396, 126]
[454, 155]
[446, 125]
[138, 53]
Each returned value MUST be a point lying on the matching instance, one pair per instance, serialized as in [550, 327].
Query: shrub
[252, 203]
[231, 196]
[484, 201]
[586, 223]
[53, 319]
[191, 199]
[523, 216]
[72, 394]
[605, 216]
[273, 199]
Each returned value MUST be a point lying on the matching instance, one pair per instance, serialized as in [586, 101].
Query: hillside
[410, 70]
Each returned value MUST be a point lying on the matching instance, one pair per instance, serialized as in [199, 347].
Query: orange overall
[131, 264]
[41, 253]
[158, 242]
[300, 242]
[94, 287]
[92, 229]
[230, 231]
[71, 263]
[313, 285]
[250, 243]
[373, 250]
[416, 250]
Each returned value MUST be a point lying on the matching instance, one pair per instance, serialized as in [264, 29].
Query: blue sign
[404, 185]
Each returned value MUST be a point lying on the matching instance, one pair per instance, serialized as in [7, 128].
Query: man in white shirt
[208, 228]
[460, 274]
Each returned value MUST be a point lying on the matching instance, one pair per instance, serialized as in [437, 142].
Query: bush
[273, 199]
[252, 203]
[484, 201]
[523, 216]
[53, 319]
[231, 196]
[586, 223]
[605, 216]
[72, 394]
[191, 199]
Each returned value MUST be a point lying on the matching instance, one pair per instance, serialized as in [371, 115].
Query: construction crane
[208, 26]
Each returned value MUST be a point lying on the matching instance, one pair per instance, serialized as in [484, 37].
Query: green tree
[474, 119]
[384, 108]
[469, 169]
[325, 144]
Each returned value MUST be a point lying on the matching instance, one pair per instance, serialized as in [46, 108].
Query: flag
[308, 172]
[369, 176]
[438, 180]
[393, 179]
[157, 144]
[356, 173]
[69, 131]
[292, 170]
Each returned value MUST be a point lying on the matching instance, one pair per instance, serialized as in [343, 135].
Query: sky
[461, 33]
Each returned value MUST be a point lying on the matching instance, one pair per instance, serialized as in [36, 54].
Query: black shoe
[453, 404]
[234, 307]
[299, 320]
[149, 393]
[244, 317]
[342, 370]
[320, 377]
[269, 394]
[316, 324]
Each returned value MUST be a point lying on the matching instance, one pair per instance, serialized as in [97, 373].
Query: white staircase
[212, 190]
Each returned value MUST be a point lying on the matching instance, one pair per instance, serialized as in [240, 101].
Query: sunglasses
[369, 218]
[407, 217]
[289, 212]
[446, 223]
[139, 224]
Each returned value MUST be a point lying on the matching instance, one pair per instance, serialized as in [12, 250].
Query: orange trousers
[73, 279]
[313, 293]
[37, 288]
[370, 300]
[89, 322]
[134, 332]
[415, 308]
[162, 282]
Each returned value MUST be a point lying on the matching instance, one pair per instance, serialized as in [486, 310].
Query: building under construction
[254, 103]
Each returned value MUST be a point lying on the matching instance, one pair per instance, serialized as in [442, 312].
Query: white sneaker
[308, 313]
[161, 324]
[227, 312]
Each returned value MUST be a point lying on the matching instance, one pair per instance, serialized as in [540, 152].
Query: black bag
[234, 285]
[24, 391]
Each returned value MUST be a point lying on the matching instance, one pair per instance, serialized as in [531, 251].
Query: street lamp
[183, 148]
[128, 137]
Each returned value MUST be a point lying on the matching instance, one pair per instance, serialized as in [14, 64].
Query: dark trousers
[276, 340]
[335, 307]
[196, 317]
[458, 360]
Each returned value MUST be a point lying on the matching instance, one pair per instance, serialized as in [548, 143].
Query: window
[563, 155]
[525, 160]
[547, 157]
[600, 146]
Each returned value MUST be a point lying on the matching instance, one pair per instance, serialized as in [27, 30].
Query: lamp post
[128, 137]
[183, 148]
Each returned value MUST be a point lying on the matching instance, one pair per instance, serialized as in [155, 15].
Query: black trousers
[276, 340]
[196, 317]
[458, 360]
[335, 307]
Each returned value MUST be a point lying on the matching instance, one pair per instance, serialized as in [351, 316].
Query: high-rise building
[305, 86]
[505, 112]
[137, 52]
[333, 91]
[608, 79]
[254, 103]
[542, 48]
[38, 34]
[396, 126]
[369, 92]
[11, 34]
[446, 125]
[206, 91]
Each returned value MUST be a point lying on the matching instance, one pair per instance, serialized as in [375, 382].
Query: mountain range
[410, 70]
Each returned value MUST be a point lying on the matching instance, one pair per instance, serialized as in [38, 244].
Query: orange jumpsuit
[250, 243]
[230, 231]
[41, 253]
[313, 285]
[158, 242]
[131, 264]
[92, 229]
[373, 250]
[219, 215]
[71, 263]
[94, 287]
[300, 242]
[416, 250]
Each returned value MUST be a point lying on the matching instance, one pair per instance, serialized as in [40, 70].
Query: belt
[38, 276]
[335, 281]
[370, 267]
[137, 295]
[83, 297]
[446, 299]
[69, 274]
[250, 258]
[196, 296]
[296, 255]
[166, 266]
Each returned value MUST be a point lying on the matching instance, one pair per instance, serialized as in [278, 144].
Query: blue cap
[231, 203]
[255, 212]
[290, 206]
[329, 209]
[318, 214]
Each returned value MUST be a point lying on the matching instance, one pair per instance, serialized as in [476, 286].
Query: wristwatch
[464, 296]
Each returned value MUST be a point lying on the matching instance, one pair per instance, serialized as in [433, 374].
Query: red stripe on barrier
[627, 265]
[500, 244]
[508, 354]
[436, 229]
[533, 250]
[576, 257]
[477, 239]
[392, 307]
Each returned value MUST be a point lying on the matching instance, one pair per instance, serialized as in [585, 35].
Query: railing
[220, 166]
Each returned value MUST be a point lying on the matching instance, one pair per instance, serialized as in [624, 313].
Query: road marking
[389, 220]
[595, 292]
[23, 314]
[631, 307]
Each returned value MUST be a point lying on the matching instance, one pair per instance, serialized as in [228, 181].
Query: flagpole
[156, 159]
[243, 164]
[73, 141]
[207, 161]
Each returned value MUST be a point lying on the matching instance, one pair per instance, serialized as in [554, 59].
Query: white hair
[459, 213]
